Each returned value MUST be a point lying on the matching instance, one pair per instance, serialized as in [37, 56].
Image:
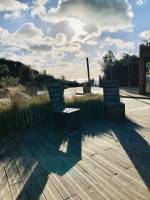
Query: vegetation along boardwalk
[103, 160]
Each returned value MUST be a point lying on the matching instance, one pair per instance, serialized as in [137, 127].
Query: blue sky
[57, 35]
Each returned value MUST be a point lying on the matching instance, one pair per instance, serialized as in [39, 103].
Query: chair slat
[56, 93]
[111, 91]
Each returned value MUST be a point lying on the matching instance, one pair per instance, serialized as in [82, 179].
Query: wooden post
[144, 56]
[88, 69]
[129, 77]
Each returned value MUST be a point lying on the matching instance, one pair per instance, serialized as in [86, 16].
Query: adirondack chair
[114, 109]
[68, 118]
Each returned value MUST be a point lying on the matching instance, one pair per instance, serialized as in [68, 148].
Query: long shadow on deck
[55, 152]
[136, 147]
[52, 157]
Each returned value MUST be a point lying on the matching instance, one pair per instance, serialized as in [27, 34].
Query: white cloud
[29, 45]
[139, 2]
[84, 23]
[12, 15]
[113, 12]
[76, 69]
[27, 35]
[145, 35]
[119, 55]
[121, 44]
[38, 7]
[112, 15]
[61, 39]
[29, 31]
[40, 47]
[12, 5]
[77, 26]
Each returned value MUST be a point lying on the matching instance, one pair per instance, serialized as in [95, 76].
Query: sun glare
[77, 26]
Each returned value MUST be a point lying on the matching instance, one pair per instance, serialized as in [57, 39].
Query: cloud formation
[12, 5]
[145, 35]
[102, 13]
[139, 2]
[67, 32]
[121, 44]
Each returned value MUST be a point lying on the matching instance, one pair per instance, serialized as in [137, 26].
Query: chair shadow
[45, 146]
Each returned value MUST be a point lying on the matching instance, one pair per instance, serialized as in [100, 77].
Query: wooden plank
[62, 161]
[105, 167]
[17, 193]
[113, 161]
[29, 161]
[10, 168]
[34, 189]
[5, 193]
[24, 171]
[109, 167]
[105, 185]
[3, 178]
[31, 186]
[105, 171]
[64, 190]
[49, 190]
[62, 186]
[84, 177]
[83, 192]
[74, 197]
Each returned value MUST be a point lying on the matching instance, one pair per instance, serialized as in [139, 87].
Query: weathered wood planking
[104, 171]
[5, 193]
[16, 189]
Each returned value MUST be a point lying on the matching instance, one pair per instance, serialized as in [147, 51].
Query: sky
[58, 35]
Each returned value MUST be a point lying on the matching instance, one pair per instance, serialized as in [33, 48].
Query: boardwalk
[103, 160]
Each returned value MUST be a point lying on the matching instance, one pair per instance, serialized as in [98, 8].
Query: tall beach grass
[24, 111]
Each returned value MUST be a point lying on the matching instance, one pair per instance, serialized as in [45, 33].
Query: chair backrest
[111, 91]
[56, 94]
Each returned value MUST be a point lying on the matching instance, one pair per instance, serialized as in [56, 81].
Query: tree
[108, 59]
[26, 75]
[63, 78]
[4, 70]
[125, 70]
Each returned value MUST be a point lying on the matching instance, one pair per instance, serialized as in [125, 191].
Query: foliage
[125, 70]
[17, 71]
[43, 80]
[12, 72]
[108, 64]
[4, 70]
[16, 68]
[26, 75]
[8, 81]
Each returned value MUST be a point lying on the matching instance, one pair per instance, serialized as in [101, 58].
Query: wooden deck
[103, 160]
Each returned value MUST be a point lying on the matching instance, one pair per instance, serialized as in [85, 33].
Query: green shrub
[8, 81]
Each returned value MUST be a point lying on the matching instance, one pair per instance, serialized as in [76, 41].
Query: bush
[8, 81]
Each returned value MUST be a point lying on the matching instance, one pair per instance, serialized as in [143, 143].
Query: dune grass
[90, 105]
[24, 111]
